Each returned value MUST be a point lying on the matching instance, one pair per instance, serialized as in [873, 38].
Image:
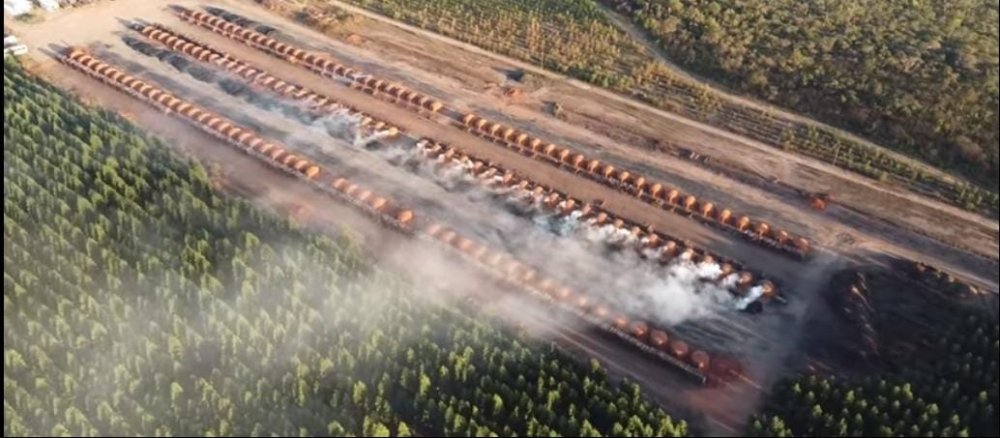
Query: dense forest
[919, 76]
[571, 37]
[138, 301]
[921, 363]
[930, 88]
[954, 396]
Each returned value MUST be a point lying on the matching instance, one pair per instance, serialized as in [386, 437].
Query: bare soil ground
[614, 131]
[878, 217]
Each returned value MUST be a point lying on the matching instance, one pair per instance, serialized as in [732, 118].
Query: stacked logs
[317, 102]
[316, 63]
[938, 280]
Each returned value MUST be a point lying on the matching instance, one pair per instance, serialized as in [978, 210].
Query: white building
[17, 7]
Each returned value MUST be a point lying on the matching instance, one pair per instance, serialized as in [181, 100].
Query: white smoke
[567, 224]
[451, 177]
[730, 281]
[708, 271]
[675, 294]
[398, 155]
[340, 123]
[751, 296]
[601, 233]
[361, 139]
[666, 295]
[652, 253]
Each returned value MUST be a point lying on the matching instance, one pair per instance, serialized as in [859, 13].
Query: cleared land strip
[651, 192]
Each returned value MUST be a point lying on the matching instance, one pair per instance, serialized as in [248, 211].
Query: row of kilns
[244, 139]
[317, 102]
[637, 185]
[621, 179]
[206, 121]
[376, 205]
[492, 175]
[517, 272]
[314, 62]
[647, 242]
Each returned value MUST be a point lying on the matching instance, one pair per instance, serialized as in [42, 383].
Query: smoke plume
[598, 259]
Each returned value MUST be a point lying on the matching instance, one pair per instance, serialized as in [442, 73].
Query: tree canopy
[920, 76]
[942, 386]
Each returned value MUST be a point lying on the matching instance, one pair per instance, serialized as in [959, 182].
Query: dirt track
[767, 334]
